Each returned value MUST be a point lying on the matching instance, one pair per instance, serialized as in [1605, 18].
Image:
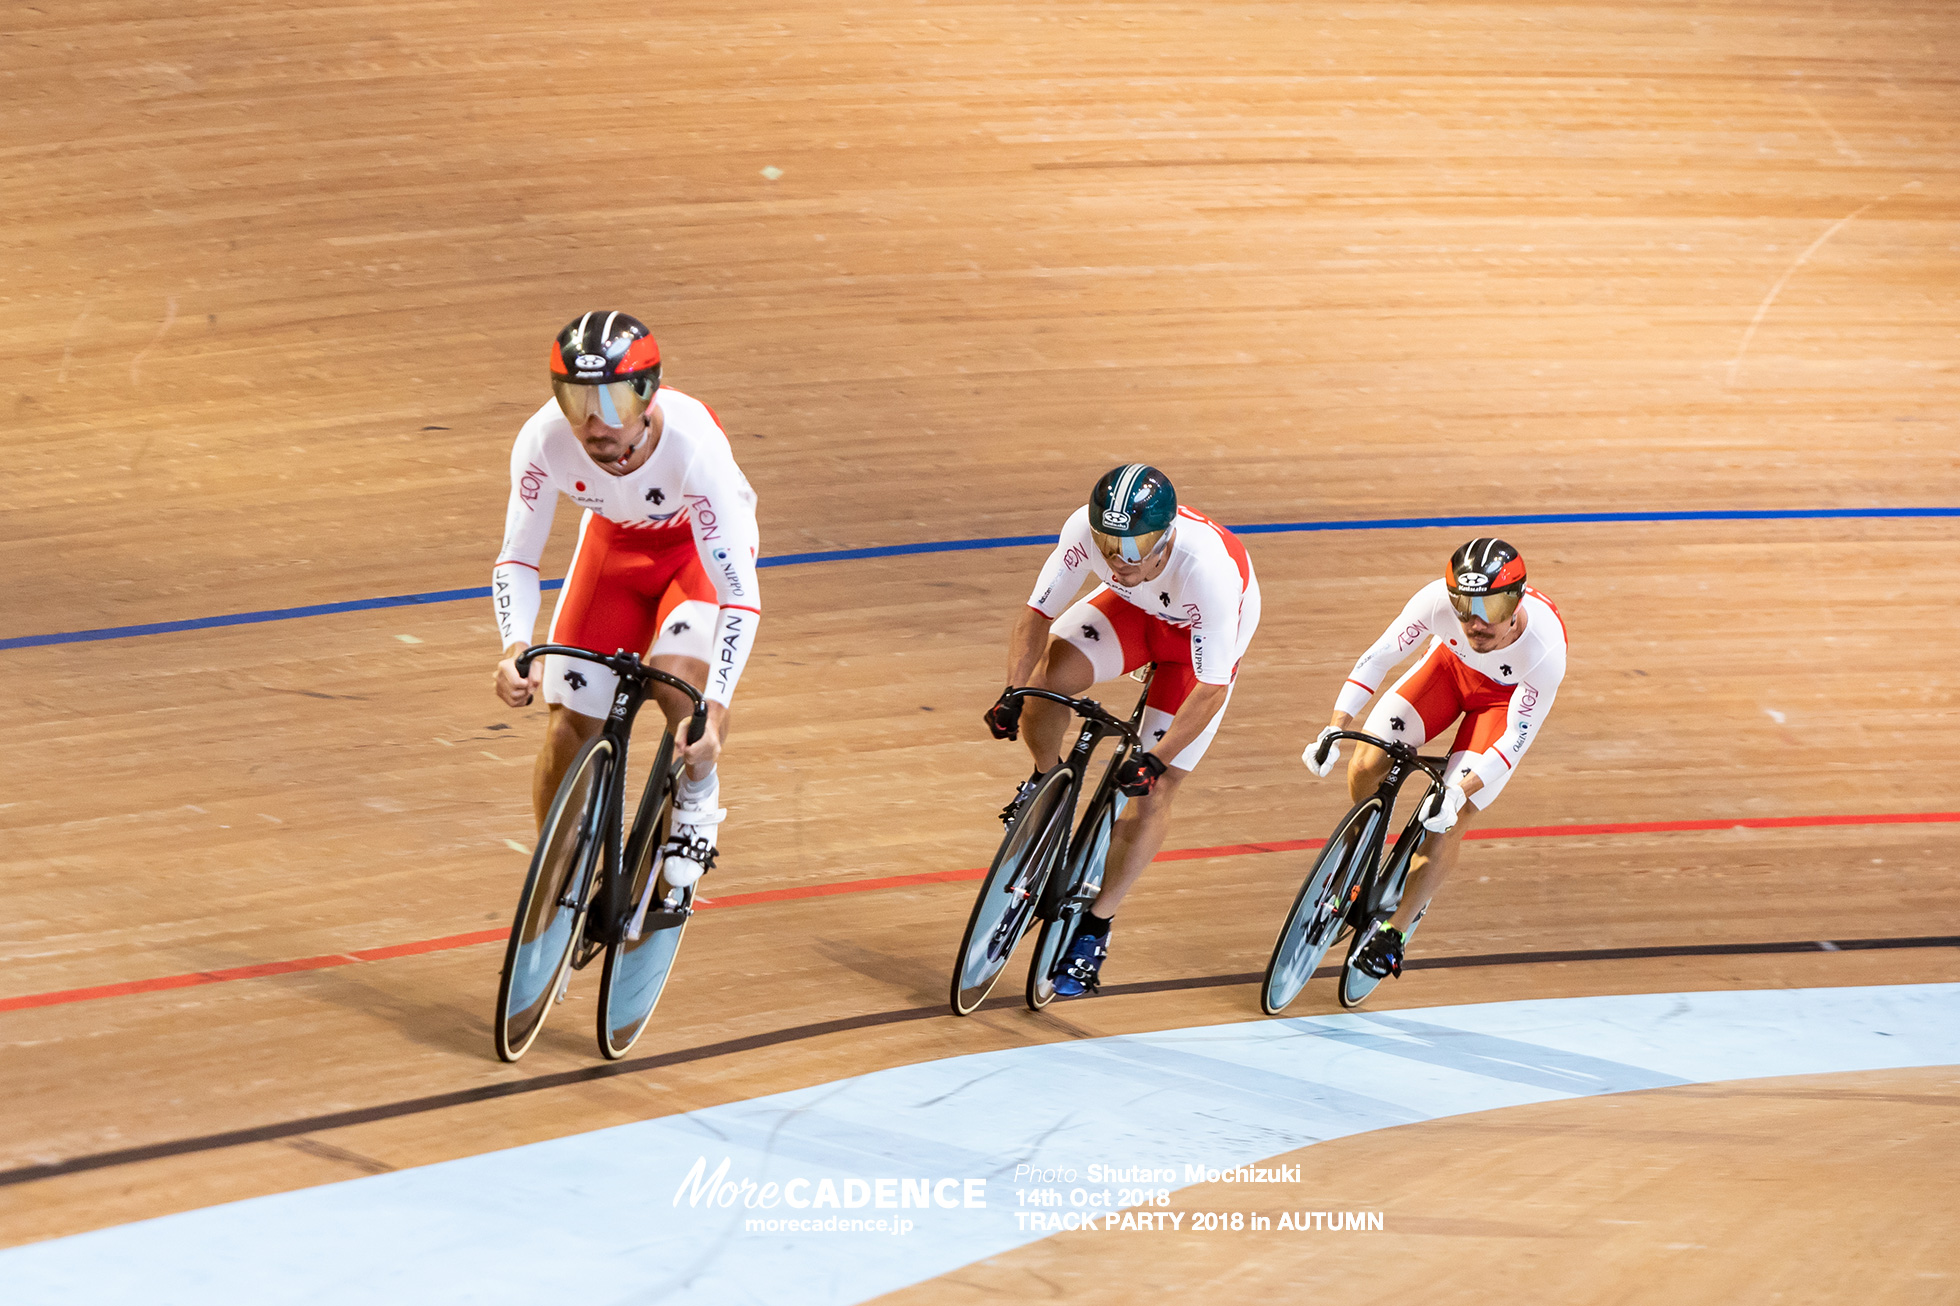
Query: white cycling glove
[1448, 805]
[1333, 752]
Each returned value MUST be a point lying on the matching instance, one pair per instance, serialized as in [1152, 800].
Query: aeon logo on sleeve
[1075, 556]
[530, 484]
[704, 516]
[1410, 634]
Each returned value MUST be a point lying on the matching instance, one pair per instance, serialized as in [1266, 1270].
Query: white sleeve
[1407, 630]
[514, 585]
[721, 507]
[1215, 633]
[1061, 575]
[1531, 702]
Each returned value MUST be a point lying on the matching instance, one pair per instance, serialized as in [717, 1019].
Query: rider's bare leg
[1366, 770]
[1044, 725]
[1434, 860]
[1134, 841]
[676, 705]
[565, 732]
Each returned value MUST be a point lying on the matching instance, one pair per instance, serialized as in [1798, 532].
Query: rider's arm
[722, 510]
[1068, 563]
[514, 585]
[1415, 624]
[1531, 701]
[1026, 644]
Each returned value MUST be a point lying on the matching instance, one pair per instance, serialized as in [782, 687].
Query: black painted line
[798, 1033]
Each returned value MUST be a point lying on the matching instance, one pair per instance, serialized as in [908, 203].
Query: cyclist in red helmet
[1495, 657]
[664, 567]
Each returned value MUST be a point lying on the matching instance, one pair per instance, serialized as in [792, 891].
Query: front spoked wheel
[1064, 904]
[641, 957]
[557, 892]
[1321, 906]
[1008, 895]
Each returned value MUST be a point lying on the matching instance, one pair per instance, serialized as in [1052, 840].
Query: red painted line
[443, 944]
[448, 942]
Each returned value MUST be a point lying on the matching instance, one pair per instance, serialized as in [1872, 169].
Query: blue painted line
[1002, 542]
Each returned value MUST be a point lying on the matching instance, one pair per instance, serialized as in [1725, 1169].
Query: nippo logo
[1116, 519]
[1471, 580]
[588, 362]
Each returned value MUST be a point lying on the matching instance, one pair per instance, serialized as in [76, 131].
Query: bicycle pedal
[666, 916]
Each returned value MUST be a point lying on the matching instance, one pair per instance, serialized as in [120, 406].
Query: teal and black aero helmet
[1129, 511]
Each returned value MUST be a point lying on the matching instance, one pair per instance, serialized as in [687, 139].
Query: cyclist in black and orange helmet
[664, 566]
[1495, 656]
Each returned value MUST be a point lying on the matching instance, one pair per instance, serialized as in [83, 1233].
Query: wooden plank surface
[278, 286]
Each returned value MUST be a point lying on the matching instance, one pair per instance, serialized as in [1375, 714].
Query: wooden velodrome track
[278, 285]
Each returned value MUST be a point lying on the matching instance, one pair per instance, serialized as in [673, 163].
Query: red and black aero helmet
[1486, 580]
[605, 364]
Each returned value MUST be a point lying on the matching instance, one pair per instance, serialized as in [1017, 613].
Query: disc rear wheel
[1061, 906]
[638, 963]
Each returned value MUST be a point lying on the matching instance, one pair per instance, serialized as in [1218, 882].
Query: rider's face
[609, 444]
[1484, 637]
[1131, 574]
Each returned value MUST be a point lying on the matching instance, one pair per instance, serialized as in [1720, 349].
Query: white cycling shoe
[691, 845]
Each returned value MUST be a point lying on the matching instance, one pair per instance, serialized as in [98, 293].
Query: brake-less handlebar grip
[698, 724]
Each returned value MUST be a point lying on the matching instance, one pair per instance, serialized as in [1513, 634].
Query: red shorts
[1116, 637]
[623, 586]
[1441, 688]
[1144, 640]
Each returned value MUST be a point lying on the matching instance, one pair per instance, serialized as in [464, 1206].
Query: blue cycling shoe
[1080, 972]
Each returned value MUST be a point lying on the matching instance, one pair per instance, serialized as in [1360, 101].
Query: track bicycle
[586, 893]
[1350, 888]
[1022, 885]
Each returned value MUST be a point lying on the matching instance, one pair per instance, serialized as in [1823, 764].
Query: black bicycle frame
[636, 681]
[1097, 725]
[1384, 892]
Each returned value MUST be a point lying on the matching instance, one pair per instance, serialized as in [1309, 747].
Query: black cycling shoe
[1380, 955]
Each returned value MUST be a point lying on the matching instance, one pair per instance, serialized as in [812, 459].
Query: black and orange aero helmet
[605, 365]
[1486, 580]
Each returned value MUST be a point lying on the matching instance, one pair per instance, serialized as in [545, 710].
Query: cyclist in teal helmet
[1177, 590]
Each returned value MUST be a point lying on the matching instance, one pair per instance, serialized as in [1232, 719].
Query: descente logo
[702, 1188]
